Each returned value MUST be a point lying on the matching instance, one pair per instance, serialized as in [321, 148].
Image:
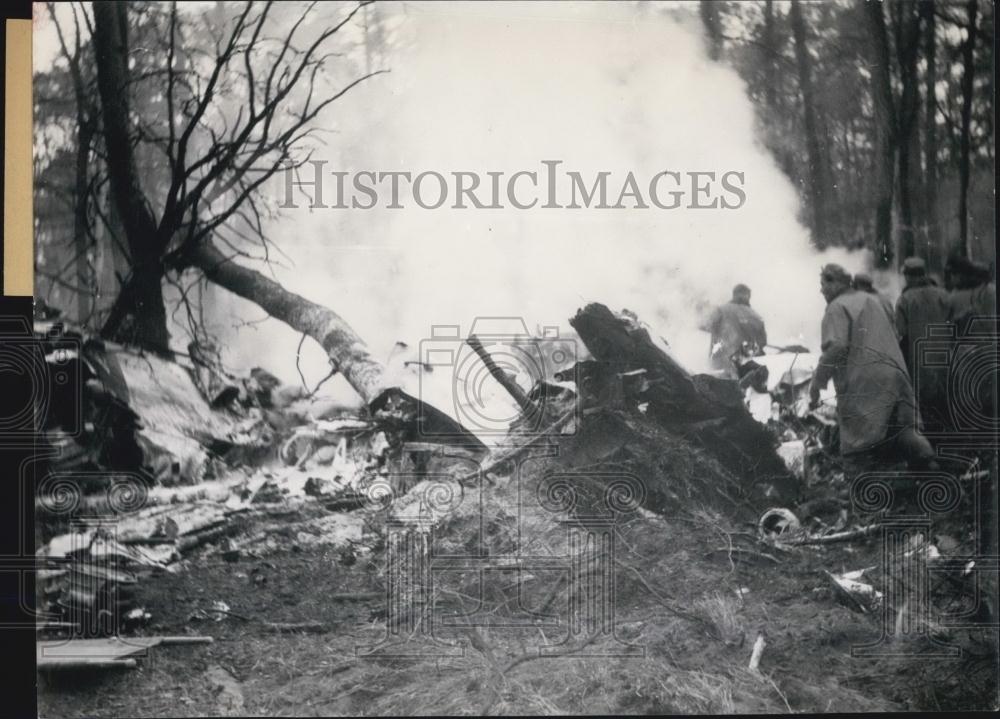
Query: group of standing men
[894, 369]
[872, 352]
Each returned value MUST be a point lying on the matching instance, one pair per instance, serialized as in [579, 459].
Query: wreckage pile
[623, 426]
[146, 459]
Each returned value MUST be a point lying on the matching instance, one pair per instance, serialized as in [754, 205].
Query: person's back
[972, 294]
[876, 411]
[873, 388]
[731, 325]
[973, 312]
[920, 305]
[976, 301]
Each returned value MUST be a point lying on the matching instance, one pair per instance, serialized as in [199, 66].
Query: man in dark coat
[731, 325]
[921, 306]
[973, 312]
[973, 294]
[875, 405]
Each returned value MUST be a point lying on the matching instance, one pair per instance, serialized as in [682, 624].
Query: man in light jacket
[876, 410]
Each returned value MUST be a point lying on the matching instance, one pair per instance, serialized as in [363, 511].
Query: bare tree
[238, 155]
[883, 155]
[142, 295]
[768, 54]
[814, 151]
[907, 48]
[86, 130]
[964, 165]
[930, 116]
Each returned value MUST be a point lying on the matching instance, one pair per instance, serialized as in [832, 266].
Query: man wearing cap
[875, 404]
[731, 325]
[920, 306]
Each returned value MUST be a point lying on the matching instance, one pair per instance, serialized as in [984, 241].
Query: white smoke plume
[502, 87]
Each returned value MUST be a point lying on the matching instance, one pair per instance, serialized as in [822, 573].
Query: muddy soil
[687, 610]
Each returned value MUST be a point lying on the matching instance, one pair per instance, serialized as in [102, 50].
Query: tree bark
[965, 161]
[701, 408]
[930, 119]
[143, 296]
[347, 351]
[907, 47]
[814, 149]
[769, 54]
[884, 151]
[84, 277]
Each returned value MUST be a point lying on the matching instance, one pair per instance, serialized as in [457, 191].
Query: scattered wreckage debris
[143, 413]
[757, 652]
[857, 595]
[104, 653]
[776, 521]
[87, 579]
[220, 611]
[627, 402]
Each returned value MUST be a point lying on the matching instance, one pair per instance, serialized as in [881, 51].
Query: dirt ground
[687, 584]
[692, 610]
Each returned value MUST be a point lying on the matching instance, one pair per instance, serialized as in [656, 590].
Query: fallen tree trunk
[348, 353]
[191, 519]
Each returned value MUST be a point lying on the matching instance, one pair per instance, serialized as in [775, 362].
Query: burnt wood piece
[704, 409]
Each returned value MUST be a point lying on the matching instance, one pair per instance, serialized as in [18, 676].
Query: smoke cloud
[602, 87]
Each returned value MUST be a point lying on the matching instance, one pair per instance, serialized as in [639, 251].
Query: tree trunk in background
[964, 164]
[142, 297]
[85, 282]
[347, 351]
[930, 122]
[907, 47]
[770, 52]
[814, 150]
[882, 164]
[713, 27]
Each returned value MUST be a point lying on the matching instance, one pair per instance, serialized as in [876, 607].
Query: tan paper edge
[18, 269]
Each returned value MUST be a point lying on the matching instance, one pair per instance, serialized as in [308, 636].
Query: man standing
[875, 405]
[731, 325]
[920, 306]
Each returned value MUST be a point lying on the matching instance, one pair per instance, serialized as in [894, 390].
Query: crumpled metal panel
[177, 422]
[166, 399]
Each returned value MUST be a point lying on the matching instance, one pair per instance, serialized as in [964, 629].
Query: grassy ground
[677, 600]
[693, 591]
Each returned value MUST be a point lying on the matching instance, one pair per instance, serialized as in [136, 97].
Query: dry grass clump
[724, 614]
